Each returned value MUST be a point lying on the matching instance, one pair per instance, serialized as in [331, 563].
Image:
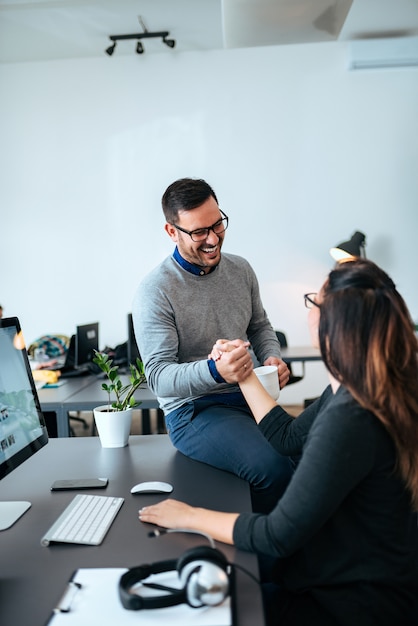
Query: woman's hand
[167, 514]
[174, 514]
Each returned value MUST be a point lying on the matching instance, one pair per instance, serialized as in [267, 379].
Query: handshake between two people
[235, 365]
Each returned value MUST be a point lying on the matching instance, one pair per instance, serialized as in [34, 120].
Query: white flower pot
[113, 426]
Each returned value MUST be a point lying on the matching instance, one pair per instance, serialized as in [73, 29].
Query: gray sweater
[178, 316]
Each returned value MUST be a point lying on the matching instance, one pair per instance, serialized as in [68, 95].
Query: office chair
[80, 420]
[283, 342]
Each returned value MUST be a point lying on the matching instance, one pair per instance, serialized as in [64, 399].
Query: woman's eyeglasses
[310, 300]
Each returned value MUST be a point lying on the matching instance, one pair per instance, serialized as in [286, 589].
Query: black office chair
[80, 420]
[283, 342]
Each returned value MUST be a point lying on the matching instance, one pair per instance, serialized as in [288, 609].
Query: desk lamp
[346, 250]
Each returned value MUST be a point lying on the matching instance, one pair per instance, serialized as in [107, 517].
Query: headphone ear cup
[203, 575]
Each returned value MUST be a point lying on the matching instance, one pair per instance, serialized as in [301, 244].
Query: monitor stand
[10, 513]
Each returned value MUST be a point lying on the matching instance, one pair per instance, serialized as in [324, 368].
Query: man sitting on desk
[182, 307]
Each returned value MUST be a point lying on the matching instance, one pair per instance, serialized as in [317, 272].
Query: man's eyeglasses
[310, 300]
[200, 234]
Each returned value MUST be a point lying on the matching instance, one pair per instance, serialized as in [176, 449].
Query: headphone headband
[134, 575]
[188, 564]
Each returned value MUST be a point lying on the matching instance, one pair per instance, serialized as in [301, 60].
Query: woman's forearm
[258, 399]
[220, 526]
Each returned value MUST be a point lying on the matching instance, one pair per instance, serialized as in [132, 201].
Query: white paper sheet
[97, 602]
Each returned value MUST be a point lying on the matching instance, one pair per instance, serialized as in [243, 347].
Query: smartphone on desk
[79, 483]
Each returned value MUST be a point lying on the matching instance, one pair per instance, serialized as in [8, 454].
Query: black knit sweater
[343, 531]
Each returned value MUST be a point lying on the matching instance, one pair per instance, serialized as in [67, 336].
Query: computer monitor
[22, 426]
[86, 342]
[133, 351]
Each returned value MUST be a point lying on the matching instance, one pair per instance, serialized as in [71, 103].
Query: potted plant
[114, 419]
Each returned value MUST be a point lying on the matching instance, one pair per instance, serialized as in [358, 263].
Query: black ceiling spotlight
[169, 42]
[110, 50]
[139, 48]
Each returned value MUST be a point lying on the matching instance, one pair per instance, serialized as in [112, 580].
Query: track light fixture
[138, 36]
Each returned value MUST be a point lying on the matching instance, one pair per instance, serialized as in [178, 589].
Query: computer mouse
[152, 486]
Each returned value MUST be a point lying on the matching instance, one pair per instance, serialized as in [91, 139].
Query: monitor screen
[22, 425]
[86, 341]
[133, 352]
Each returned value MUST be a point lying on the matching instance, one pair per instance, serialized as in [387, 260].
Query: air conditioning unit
[383, 53]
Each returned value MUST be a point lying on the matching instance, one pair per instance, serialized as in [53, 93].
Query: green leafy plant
[124, 394]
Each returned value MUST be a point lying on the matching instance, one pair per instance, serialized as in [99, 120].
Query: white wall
[300, 151]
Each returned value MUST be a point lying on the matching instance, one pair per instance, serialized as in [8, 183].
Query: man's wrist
[214, 372]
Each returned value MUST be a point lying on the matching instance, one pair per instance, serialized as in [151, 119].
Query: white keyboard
[86, 520]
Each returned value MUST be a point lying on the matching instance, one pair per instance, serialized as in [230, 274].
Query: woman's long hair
[368, 343]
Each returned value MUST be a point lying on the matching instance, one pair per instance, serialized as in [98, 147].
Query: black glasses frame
[309, 301]
[192, 233]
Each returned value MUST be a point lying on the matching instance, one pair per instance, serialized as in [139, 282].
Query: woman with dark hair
[344, 534]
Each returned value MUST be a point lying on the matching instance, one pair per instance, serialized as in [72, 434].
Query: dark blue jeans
[220, 430]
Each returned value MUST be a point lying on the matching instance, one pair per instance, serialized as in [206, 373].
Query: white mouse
[152, 486]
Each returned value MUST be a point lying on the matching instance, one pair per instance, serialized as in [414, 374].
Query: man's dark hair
[183, 195]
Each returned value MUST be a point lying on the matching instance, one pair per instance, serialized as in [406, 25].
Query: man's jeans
[220, 430]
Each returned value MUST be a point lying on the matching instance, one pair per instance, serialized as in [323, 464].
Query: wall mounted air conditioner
[383, 53]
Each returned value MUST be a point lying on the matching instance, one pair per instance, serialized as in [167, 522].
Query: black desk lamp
[349, 249]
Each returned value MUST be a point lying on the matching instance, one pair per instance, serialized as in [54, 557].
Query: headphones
[204, 575]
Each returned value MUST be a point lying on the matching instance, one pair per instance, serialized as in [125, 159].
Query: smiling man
[193, 298]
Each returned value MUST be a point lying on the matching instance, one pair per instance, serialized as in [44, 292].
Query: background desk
[52, 399]
[89, 397]
[83, 393]
[33, 577]
[301, 353]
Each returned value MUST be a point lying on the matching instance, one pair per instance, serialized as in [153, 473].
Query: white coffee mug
[269, 378]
